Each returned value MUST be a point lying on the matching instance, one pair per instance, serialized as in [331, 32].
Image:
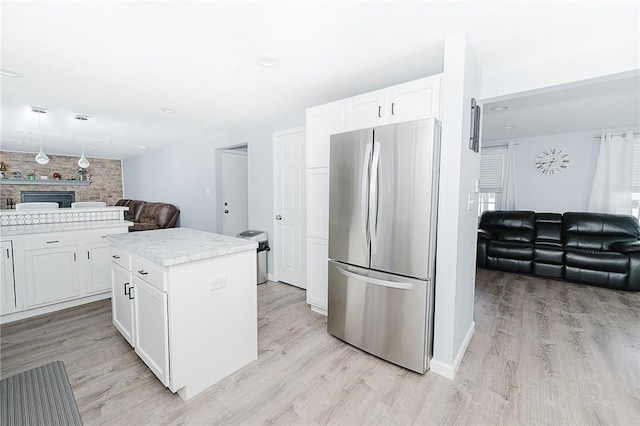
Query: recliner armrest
[483, 233]
[625, 246]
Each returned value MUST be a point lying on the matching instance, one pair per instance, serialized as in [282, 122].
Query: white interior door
[234, 192]
[290, 206]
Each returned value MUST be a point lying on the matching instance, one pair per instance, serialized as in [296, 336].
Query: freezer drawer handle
[383, 283]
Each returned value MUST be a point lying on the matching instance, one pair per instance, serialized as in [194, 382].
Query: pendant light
[82, 162]
[41, 158]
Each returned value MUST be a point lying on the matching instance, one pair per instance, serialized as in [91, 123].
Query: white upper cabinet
[322, 122]
[364, 111]
[414, 100]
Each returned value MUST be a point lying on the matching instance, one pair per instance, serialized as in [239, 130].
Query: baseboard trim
[449, 370]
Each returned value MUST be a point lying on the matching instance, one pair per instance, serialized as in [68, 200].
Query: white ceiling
[608, 105]
[123, 61]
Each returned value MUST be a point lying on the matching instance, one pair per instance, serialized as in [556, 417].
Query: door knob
[226, 211]
[278, 217]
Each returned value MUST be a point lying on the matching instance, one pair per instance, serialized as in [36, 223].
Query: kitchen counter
[6, 231]
[167, 247]
[186, 301]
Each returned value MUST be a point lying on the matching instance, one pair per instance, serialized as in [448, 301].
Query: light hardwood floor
[544, 352]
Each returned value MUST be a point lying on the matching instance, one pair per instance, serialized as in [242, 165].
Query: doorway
[232, 194]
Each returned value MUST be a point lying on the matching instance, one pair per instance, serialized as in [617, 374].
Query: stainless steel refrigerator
[382, 234]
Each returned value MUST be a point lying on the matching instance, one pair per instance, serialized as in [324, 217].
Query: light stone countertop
[60, 227]
[174, 246]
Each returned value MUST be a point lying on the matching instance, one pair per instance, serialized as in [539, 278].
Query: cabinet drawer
[50, 240]
[100, 235]
[151, 273]
[121, 258]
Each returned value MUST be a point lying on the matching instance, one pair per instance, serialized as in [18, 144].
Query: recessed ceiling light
[508, 127]
[499, 108]
[144, 147]
[26, 132]
[9, 73]
[168, 110]
[267, 62]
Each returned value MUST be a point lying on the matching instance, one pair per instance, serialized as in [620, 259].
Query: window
[492, 162]
[635, 179]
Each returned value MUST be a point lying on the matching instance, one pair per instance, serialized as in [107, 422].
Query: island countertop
[167, 247]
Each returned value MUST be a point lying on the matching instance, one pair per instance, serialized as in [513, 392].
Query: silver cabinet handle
[126, 290]
[131, 294]
[115, 256]
[143, 272]
[278, 217]
[53, 242]
[379, 111]
[393, 112]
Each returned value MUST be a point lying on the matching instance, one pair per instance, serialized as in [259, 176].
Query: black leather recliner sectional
[589, 248]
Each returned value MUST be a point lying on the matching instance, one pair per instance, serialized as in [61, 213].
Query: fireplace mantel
[64, 182]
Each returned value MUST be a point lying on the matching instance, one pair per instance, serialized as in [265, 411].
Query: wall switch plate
[217, 283]
[470, 201]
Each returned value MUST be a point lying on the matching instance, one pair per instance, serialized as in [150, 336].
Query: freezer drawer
[386, 315]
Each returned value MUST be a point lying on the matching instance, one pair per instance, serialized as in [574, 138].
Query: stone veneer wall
[106, 177]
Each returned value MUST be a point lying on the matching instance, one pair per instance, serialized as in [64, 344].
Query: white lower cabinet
[52, 271]
[7, 286]
[317, 271]
[152, 328]
[193, 323]
[45, 272]
[122, 302]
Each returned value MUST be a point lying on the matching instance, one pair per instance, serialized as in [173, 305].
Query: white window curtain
[508, 197]
[611, 188]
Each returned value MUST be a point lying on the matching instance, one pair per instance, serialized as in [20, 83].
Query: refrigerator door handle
[373, 198]
[376, 281]
[366, 165]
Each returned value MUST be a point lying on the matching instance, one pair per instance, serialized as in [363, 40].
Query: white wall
[457, 223]
[181, 175]
[568, 191]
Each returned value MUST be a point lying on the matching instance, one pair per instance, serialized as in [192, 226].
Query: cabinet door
[317, 267]
[151, 323]
[7, 286]
[364, 111]
[322, 121]
[122, 302]
[52, 275]
[318, 203]
[97, 267]
[414, 100]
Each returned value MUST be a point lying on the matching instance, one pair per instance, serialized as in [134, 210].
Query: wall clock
[552, 161]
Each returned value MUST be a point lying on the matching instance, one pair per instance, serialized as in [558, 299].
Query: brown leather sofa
[147, 216]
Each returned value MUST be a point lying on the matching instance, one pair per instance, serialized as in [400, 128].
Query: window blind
[491, 169]
[635, 167]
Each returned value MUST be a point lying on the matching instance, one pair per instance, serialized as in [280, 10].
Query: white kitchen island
[186, 300]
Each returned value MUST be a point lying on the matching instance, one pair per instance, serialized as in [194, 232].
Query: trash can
[263, 248]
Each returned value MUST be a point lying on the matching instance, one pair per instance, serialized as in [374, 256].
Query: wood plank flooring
[543, 352]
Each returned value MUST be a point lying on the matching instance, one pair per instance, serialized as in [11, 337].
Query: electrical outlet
[217, 283]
